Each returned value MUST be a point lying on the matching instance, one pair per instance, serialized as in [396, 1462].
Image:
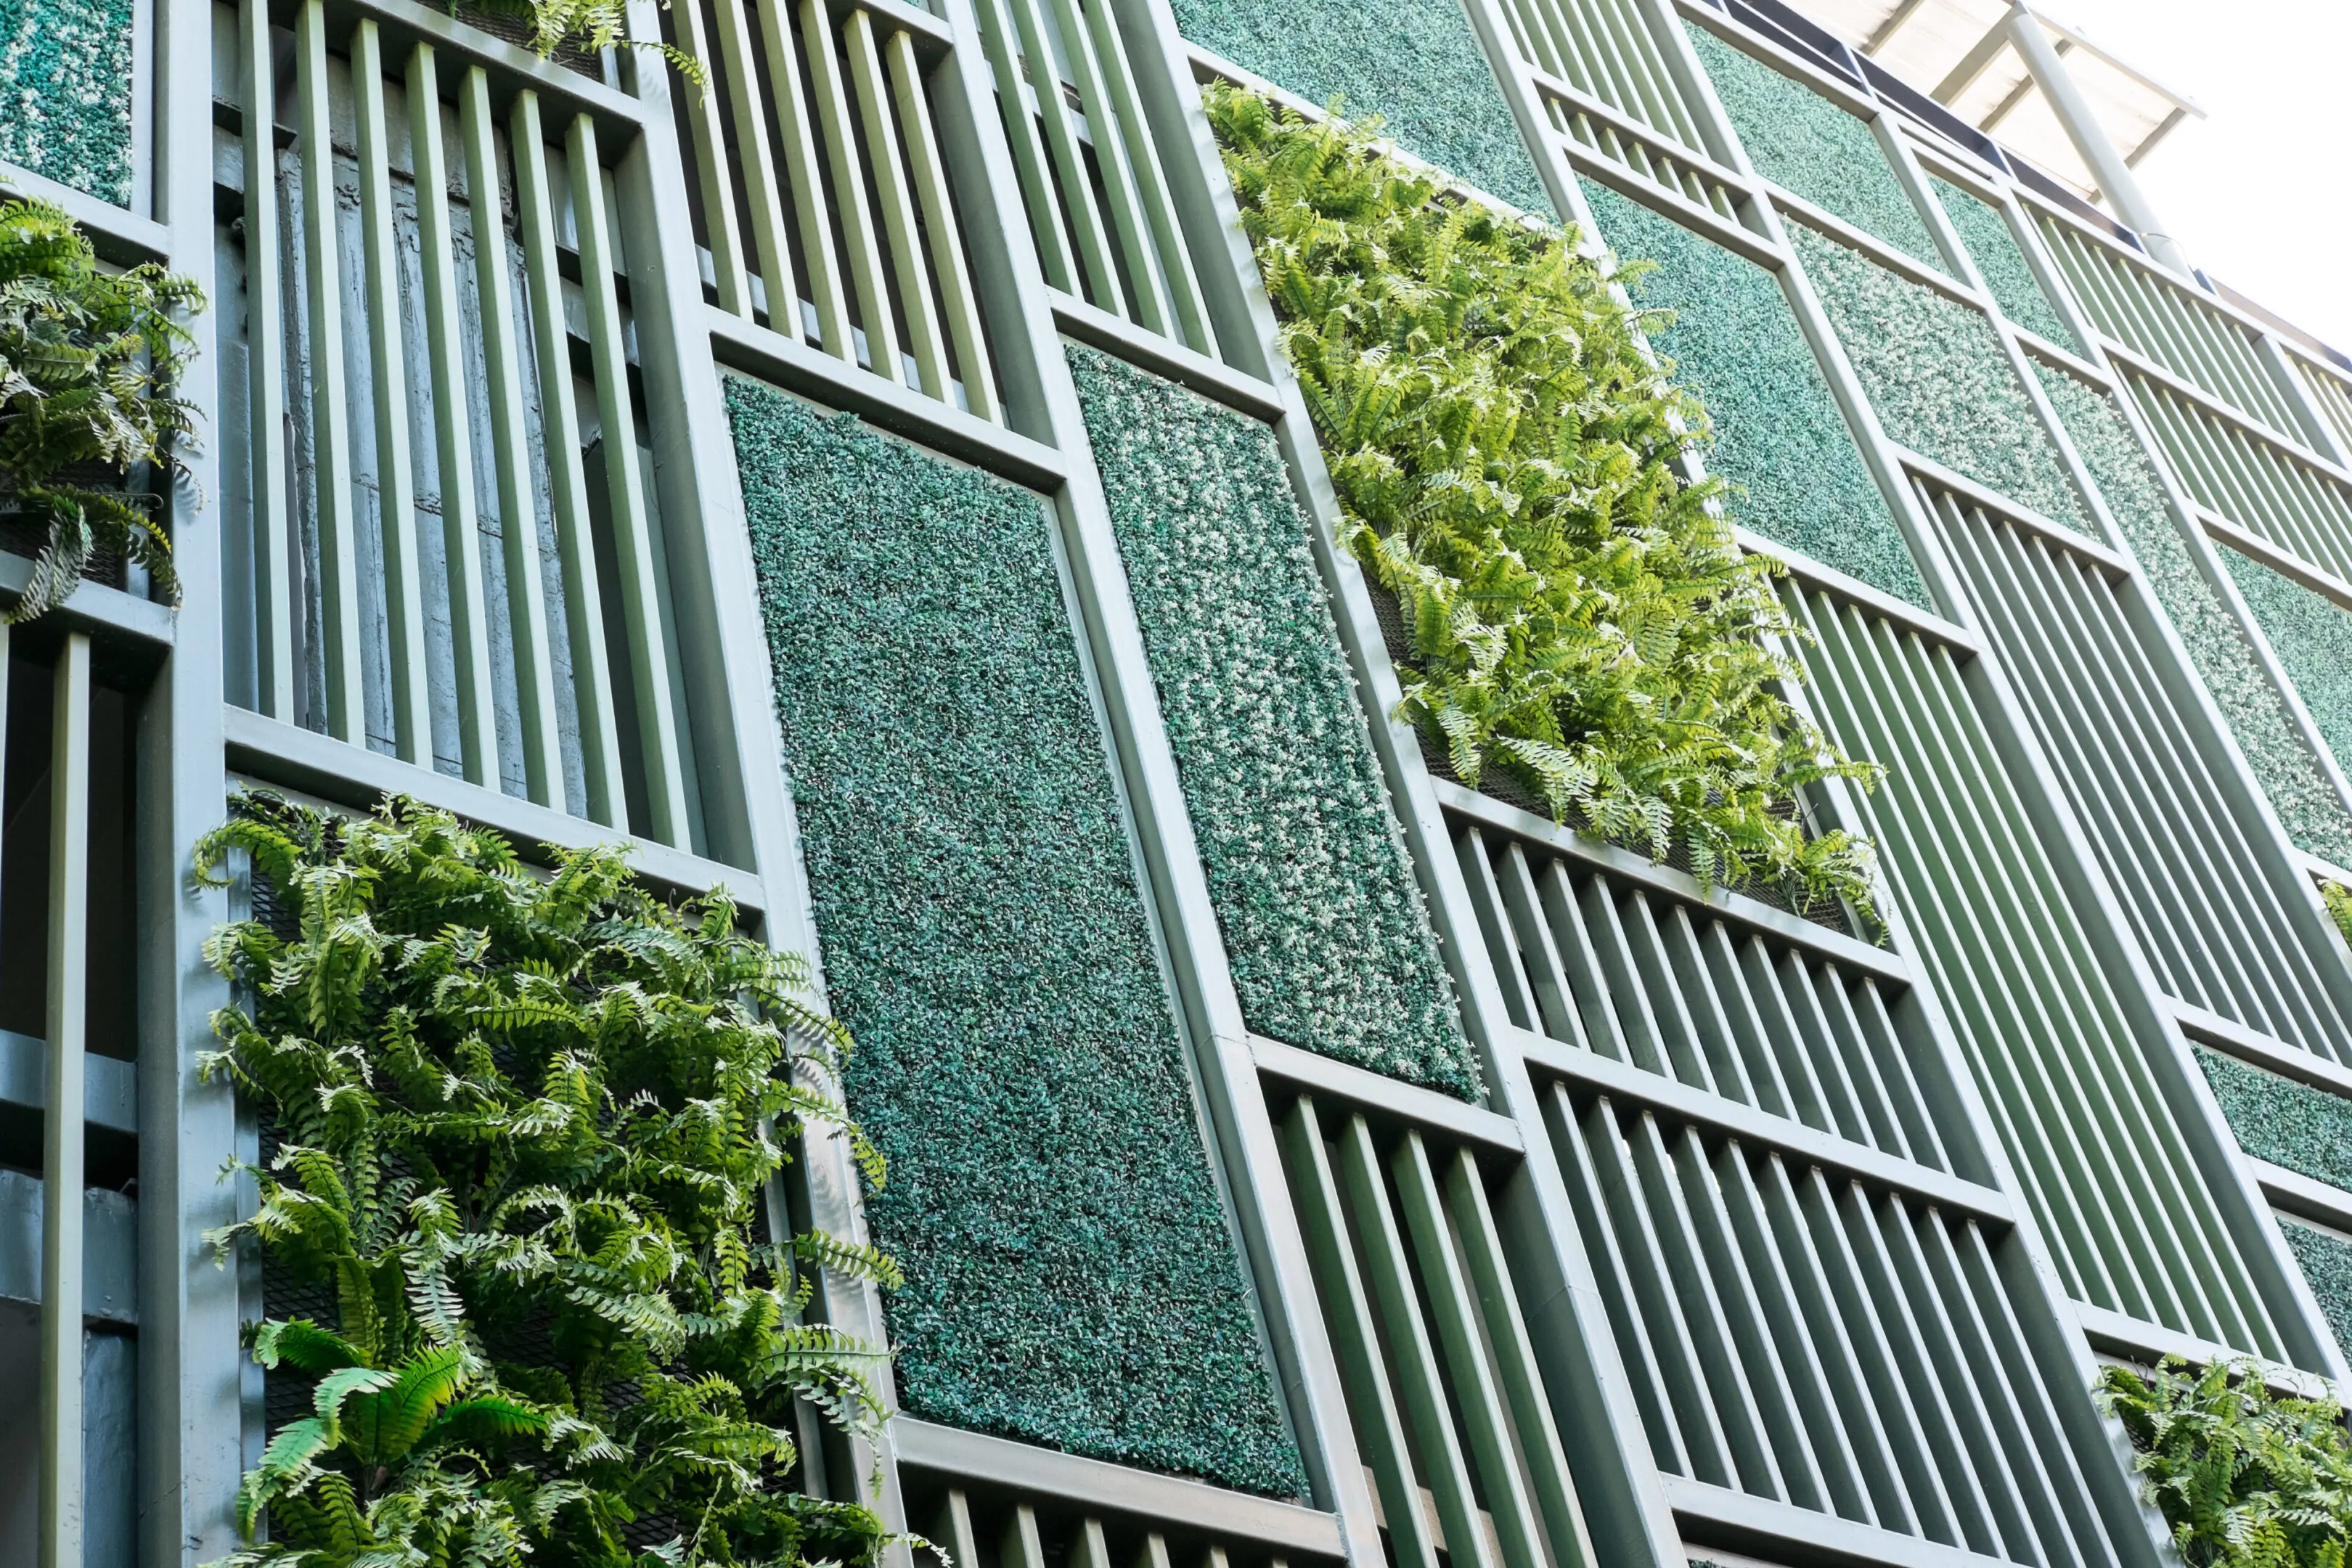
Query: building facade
[1297, 1156]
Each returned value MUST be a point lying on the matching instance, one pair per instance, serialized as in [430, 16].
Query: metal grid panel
[1815, 1341]
[1444, 1390]
[1606, 85]
[2331, 392]
[2185, 866]
[2108, 1171]
[2261, 486]
[545, 669]
[2151, 314]
[1676, 990]
[1603, 49]
[815, 131]
[1066, 89]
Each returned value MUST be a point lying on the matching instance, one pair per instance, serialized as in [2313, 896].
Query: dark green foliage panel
[1071, 1277]
[1937, 373]
[1778, 433]
[2306, 1129]
[1801, 141]
[2299, 791]
[1330, 946]
[1415, 63]
[65, 92]
[2312, 635]
[2326, 1260]
[2006, 273]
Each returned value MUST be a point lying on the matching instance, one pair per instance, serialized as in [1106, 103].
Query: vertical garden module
[1072, 1277]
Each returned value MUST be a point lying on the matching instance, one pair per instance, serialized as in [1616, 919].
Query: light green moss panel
[2312, 635]
[2326, 1260]
[1803, 142]
[1778, 432]
[1071, 1276]
[1415, 63]
[65, 92]
[2306, 1129]
[1330, 943]
[2299, 791]
[1993, 248]
[1935, 371]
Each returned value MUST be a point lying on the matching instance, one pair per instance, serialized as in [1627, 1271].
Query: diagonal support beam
[1974, 63]
[1884, 32]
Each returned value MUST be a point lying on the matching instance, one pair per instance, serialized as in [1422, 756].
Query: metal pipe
[2107, 164]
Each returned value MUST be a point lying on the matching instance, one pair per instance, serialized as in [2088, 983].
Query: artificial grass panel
[1778, 433]
[2006, 273]
[1935, 371]
[2306, 1129]
[1415, 63]
[65, 92]
[1329, 941]
[2326, 1260]
[2305, 802]
[1803, 142]
[1071, 1275]
[2312, 635]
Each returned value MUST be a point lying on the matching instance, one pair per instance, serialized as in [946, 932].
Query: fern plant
[89, 364]
[2338, 900]
[590, 26]
[2244, 1477]
[525, 1130]
[1504, 460]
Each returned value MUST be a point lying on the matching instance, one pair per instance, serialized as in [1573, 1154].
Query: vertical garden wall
[1329, 945]
[1415, 63]
[65, 92]
[1072, 1277]
[2006, 273]
[1935, 371]
[1804, 143]
[2312, 635]
[2309, 1131]
[1778, 434]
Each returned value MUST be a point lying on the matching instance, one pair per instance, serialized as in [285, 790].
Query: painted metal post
[61, 1117]
[2082, 127]
[265, 329]
[190, 1432]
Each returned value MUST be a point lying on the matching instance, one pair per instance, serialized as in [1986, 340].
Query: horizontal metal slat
[975, 1456]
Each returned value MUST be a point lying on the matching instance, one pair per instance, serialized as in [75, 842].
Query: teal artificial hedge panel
[2326, 1260]
[1330, 943]
[1935, 371]
[1071, 1274]
[1778, 432]
[2306, 1129]
[2306, 804]
[1803, 142]
[1415, 63]
[1993, 248]
[2312, 635]
[65, 92]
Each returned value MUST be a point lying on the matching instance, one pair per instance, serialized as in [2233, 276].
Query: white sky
[2259, 192]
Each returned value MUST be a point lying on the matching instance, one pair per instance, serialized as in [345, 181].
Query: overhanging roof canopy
[1957, 51]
